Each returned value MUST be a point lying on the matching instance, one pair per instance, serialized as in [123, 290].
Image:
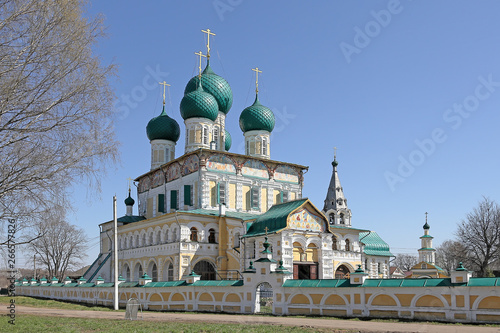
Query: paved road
[359, 326]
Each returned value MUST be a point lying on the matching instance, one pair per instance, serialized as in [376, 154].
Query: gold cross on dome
[164, 84]
[129, 182]
[334, 153]
[199, 54]
[426, 217]
[266, 229]
[208, 32]
[257, 71]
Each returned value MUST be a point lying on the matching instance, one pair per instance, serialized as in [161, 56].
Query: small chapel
[209, 211]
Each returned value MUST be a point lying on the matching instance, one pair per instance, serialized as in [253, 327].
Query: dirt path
[361, 326]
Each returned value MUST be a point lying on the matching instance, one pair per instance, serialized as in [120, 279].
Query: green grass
[48, 303]
[28, 323]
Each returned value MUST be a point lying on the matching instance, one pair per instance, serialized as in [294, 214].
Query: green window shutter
[173, 200]
[161, 203]
[187, 195]
[218, 193]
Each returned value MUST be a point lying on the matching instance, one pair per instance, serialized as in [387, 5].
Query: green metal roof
[218, 283]
[383, 283]
[484, 282]
[407, 282]
[235, 215]
[227, 140]
[87, 284]
[128, 219]
[257, 117]
[326, 283]
[374, 245]
[131, 284]
[129, 201]
[105, 285]
[165, 284]
[274, 219]
[214, 85]
[72, 284]
[426, 236]
[163, 127]
[199, 104]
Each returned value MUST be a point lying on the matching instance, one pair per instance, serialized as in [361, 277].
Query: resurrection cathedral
[209, 211]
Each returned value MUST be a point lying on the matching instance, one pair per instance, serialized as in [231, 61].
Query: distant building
[426, 268]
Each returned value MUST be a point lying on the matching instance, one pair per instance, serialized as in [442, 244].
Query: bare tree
[479, 234]
[405, 261]
[449, 254]
[55, 106]
[61, 247]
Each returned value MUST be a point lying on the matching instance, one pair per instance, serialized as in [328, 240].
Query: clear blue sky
[408, 90]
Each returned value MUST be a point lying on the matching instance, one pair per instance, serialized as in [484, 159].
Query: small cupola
[163, 133]
[129, 203]
[257, 122]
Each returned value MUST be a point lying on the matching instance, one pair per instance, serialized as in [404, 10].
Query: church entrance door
[305, 271]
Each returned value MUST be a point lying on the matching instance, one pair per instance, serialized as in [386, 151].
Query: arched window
[211, 236]
[205, 269]
[194, 235]
[334, 243]
[127, 274]
[165, 239]
[347, 245]
[137, 272]
[154, 273]
[258, 145]
[158, 237]
[332, 218]
[174, 235]
[150, 241]
[205, 135]
[264, 146]
[143, 242]
[236, 242]
[342, 220]
[215, 137]
[136, 241]
[170, 272]
[131, 242]
[342, 272]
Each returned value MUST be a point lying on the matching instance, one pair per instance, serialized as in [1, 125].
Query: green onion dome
[214, 85]
[257, 117]
[129, 201]
[227, 140]
[199, 104]
[163, 127]
[426, 226]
